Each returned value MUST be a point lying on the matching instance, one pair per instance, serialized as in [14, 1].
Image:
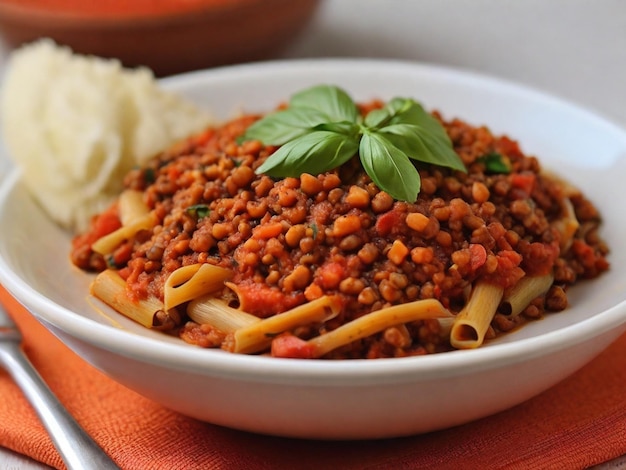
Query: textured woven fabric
[576, 424]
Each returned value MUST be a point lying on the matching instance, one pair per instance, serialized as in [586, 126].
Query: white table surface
[575, 49]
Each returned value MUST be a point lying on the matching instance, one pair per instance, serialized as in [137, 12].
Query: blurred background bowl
[168, 36]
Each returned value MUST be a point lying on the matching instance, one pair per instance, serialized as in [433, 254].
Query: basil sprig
[322, 128]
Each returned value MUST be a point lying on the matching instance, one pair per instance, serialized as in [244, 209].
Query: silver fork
[77, 449]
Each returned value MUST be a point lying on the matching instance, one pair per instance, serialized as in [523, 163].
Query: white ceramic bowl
[360, 398]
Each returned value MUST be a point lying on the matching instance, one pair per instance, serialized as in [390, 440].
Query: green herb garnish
[315, 230]
[198, 210]
[495, 163]
[149, 175]
[322, 128]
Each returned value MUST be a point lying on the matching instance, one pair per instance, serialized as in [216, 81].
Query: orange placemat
[576, 424]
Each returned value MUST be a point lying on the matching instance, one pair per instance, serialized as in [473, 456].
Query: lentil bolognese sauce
[282, 243]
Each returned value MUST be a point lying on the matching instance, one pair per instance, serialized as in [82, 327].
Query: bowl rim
[319, 372]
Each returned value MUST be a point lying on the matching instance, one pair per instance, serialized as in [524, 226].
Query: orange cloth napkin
[576, 424]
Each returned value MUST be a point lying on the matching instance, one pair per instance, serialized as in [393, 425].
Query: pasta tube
[110, 287]
[134, 215]
[379, 320]
[213, 311]
[110, 242]
[258, 336]
[131, 206]
[567, 226]
[472, 322]
[525, 291]
[190, 282]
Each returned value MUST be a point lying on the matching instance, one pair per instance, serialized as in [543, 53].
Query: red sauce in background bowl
[168, 36]
[123, 8]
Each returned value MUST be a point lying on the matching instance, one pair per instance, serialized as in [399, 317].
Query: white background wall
[573, 48]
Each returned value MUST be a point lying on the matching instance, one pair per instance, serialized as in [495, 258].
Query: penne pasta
[134, 215]
[245, 304]
[568, 225]
[525, 291]
[377, 321]
[471, 324]
[215, 312]
[131, 206]
[258, 336]
[110, 287]
[110, 242]
[445, 326]
[193, 281]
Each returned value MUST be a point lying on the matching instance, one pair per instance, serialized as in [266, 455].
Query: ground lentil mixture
[291, 240]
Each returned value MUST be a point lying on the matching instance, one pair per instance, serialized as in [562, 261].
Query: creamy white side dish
[75, 125]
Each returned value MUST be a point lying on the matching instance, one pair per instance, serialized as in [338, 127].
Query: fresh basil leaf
[329, 100]
[423, 146]
[389, 167]
[314, 153]
[407, 138]
[377, 117]
[496, 163]
[282, 126]
[408, 111]
[402, 106]
[398, 110]
[198, 210]
[346, 128]
[322, 129]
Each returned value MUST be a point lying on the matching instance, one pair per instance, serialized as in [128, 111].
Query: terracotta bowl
[169, 36]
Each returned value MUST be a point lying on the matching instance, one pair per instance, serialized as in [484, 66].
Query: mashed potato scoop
[76, 124]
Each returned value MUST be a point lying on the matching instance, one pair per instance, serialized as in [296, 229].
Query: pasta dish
[215, 241]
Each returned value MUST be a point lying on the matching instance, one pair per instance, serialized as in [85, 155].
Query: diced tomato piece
[524, 181]
[122, 254]
[263, 301]
[267, 231]
[173, 173]
[100, 226]
[329, 275]
[288, 345]
[106, 223]
[478, 256]
[387, 222]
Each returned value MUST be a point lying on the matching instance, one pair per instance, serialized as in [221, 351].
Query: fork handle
[77, 449]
